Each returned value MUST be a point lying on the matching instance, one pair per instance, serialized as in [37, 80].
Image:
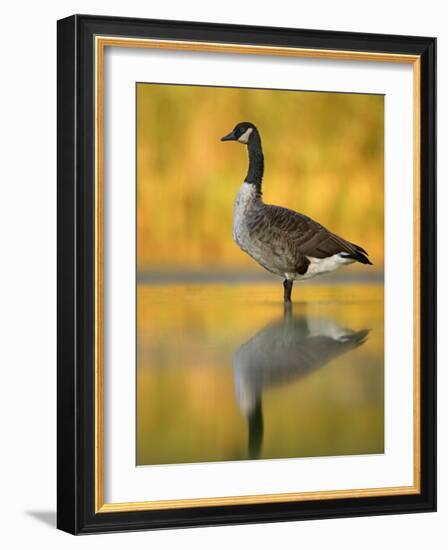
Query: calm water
[225, 373]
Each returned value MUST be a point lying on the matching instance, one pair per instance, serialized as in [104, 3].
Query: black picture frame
[76, 286]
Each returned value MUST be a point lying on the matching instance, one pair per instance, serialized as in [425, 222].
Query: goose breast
[283, 241]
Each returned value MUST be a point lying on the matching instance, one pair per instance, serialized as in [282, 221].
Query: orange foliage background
[324, 157]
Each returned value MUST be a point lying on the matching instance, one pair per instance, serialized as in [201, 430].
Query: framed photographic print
[246, 274]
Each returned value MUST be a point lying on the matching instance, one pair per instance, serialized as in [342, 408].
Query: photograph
[260, 286]
[220, 232]
[246, 274]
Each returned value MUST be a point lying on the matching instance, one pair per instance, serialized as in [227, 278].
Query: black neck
[256, 161]
[256, 430]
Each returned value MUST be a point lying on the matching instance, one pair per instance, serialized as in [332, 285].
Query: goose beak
[229, 137]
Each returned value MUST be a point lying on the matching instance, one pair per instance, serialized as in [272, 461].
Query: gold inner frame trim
[101, 42]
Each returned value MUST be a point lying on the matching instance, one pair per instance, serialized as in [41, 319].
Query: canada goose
[281, 353]
[282, 241]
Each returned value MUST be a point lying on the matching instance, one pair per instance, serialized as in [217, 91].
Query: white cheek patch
[244, 138]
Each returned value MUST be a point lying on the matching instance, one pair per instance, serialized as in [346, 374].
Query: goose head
[242, 132]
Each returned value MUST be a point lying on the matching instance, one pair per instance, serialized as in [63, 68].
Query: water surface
[224, 372]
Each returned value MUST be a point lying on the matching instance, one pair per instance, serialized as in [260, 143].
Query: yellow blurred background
[323, 157]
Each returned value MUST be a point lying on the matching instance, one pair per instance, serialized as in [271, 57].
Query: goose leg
[287, 285]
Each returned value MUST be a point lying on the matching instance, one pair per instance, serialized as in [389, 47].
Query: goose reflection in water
[283, 352]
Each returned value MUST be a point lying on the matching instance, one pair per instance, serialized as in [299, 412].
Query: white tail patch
[319, 266]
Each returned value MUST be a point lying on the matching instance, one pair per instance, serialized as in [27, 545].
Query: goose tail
[359, 255]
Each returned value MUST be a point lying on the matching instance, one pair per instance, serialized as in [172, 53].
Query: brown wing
[301, 236]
